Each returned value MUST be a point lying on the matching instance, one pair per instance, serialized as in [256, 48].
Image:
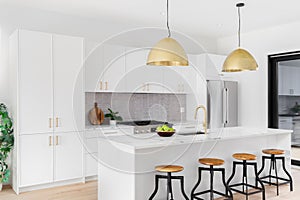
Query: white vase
[113, 122]
[1, 185]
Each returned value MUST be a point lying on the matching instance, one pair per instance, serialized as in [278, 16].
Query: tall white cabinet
[48, 97]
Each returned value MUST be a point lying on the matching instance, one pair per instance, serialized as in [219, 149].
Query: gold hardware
[56, 140]
[50, 122]
[205, 117]
[50, 140]
[101, 85]
[106, 85]
[56, 121]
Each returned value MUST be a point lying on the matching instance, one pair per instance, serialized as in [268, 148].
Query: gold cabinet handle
[101, 85]
[56, 140]
[50, 122]
[50, 140]
[56, 122]
[106, 85]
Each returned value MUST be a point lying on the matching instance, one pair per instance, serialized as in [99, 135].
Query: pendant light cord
[168, 27]
[239, 29]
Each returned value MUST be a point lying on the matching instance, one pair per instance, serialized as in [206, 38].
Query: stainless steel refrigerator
[222, 103]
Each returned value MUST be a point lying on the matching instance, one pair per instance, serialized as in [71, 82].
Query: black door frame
[273, 87]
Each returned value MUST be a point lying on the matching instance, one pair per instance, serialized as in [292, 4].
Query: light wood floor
[88, 191]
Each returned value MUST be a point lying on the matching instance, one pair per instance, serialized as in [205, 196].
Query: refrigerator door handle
[224, 106]
[227, 106]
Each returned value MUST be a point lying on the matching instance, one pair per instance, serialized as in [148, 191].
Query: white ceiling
[213, 18]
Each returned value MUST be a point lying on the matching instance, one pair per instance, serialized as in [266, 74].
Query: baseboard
[51, 185]
[91, 178]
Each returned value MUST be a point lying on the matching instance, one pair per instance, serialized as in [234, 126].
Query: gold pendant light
[167, 52]
[240, 59]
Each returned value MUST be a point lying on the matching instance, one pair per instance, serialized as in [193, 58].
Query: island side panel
[115, 171]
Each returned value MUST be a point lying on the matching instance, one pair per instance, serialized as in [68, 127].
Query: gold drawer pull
[50, 140]
[56, 121]
[106, 85]
[56, 140]
[101, 85]
[50, 122]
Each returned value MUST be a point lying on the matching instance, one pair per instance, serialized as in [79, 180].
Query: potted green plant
[113, 116]
[6, 143]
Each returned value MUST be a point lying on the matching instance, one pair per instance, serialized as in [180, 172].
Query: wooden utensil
[96, 115]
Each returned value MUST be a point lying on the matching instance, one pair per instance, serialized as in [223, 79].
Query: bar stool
[169, 169]
[275, 155]
[244, 159]
[211, 162]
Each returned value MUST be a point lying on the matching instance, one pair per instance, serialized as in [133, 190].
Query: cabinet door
[94, 67]
[36, 159]
[139, 76]
[114, 68]
[35, 82]
[68, 156]
[68, 83]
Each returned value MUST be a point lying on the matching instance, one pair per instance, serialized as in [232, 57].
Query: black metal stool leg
[270, 171]
[182, 188]
[287, 173]
[156, 187]
[197, 184]
[276, 175]
[211, 183]
[227, 188]
[260, 182]
[169, 187]
[232, 174]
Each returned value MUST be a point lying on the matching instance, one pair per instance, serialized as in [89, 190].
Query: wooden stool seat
[169, 168]
[211, 161]
[273, 151]
[244, 156]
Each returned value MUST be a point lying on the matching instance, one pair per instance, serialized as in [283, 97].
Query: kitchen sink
[192, 133]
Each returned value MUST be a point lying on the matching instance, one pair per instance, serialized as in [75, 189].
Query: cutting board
[96, 115]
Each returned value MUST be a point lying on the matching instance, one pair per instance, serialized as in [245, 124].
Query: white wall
[12, 18]
[253, 91]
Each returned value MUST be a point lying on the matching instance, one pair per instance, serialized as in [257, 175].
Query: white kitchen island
[126, 163]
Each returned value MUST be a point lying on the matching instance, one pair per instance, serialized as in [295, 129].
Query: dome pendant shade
[167, 52]
[239, 60]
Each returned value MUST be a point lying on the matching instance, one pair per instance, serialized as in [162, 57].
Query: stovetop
[142, 123]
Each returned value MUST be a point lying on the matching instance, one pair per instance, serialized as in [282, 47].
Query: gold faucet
[205, 117]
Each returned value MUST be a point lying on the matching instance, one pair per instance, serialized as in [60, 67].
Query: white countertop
[143, 141]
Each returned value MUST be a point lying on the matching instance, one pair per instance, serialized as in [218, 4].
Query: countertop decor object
[113, 116]
[6, 143]
[240, 59]
[167, 52]
[96, 115]
[165, 133]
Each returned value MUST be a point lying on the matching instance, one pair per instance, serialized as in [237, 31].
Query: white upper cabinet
[94, 66]
[288, 81]
[68, 83]
[35, 82]
[139, 76]
[114, 68]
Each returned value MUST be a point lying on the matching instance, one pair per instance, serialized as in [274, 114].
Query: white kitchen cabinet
[94, 66]
[285, 123]
[35, 84]
[139, 76]
[48, 100]
[36, 159]
[114, 68]
[68, 83]
[91, 166]
[288, 81]
[68, 156]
